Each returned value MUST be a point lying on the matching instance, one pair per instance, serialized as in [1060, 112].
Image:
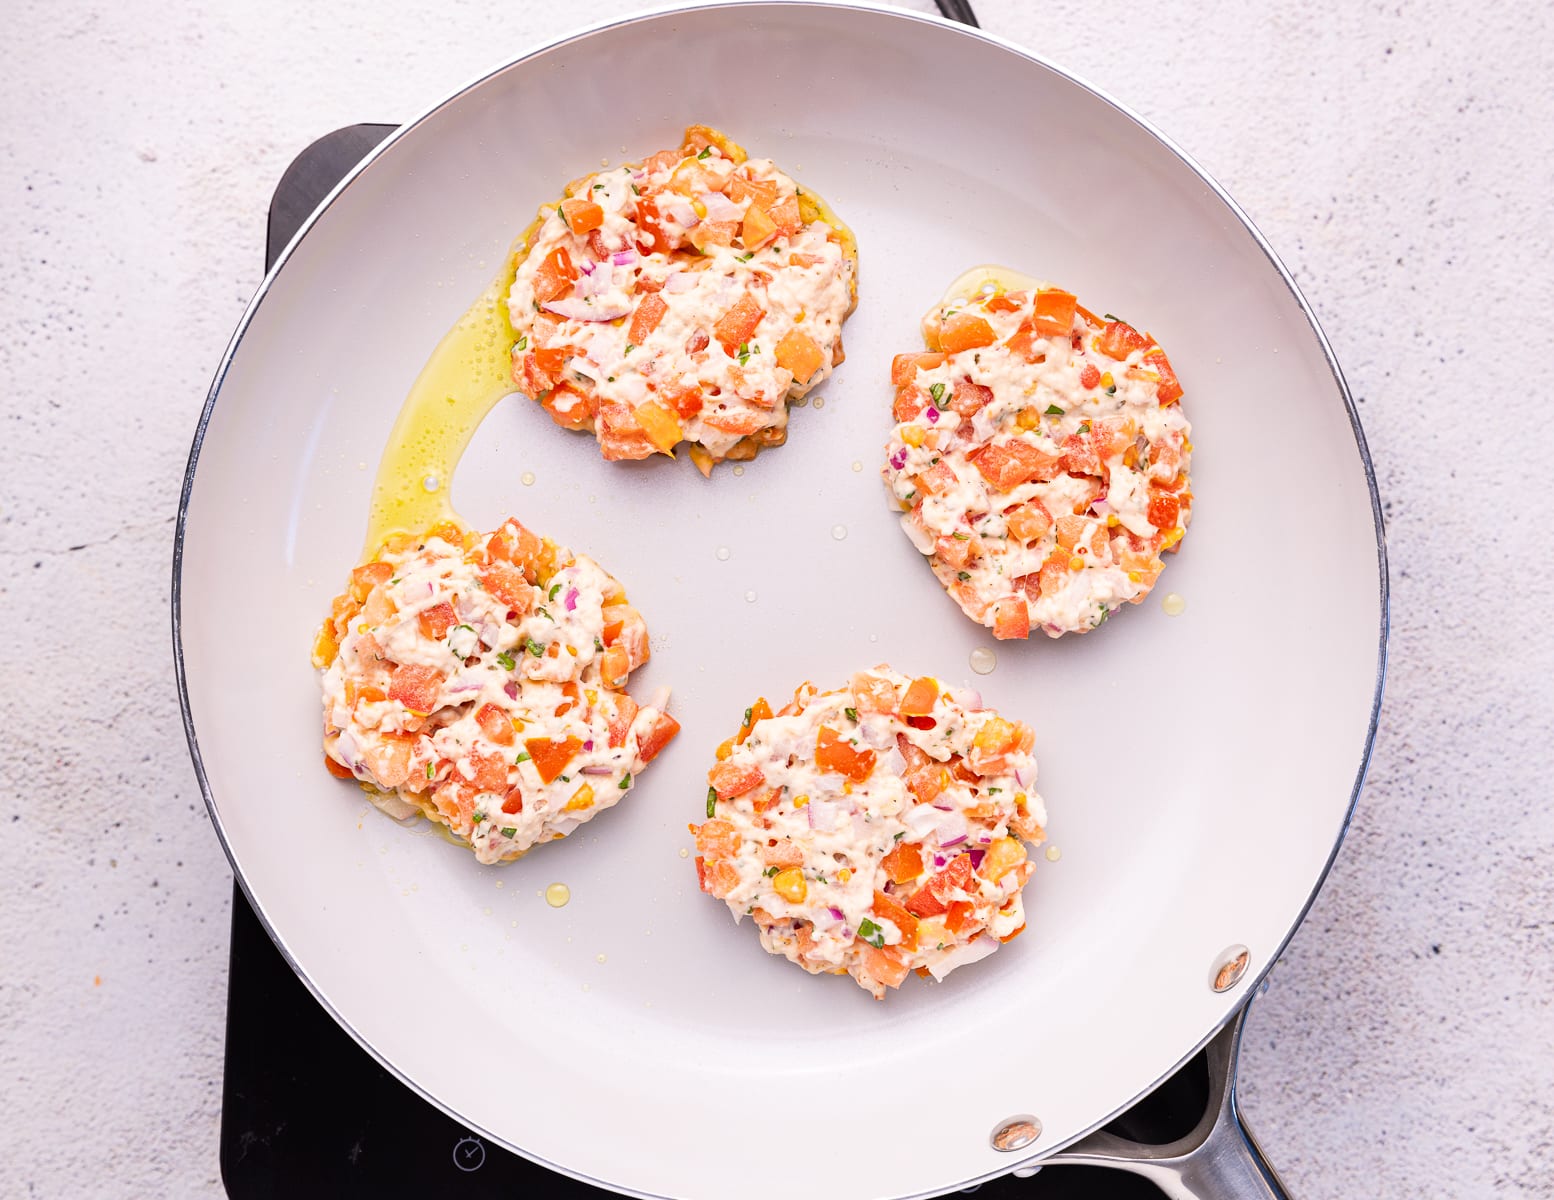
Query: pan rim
[881, 10]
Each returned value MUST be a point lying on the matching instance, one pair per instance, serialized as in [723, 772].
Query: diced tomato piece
[1011, 619]
[338, 770]
[904, 367]
[938, 478]
[957, 551]
[1003, 856]
[760, 711]
[495, 724]
[1169, 390]
[621, 436]
[366, 577]
[1054, 313]
[389, 758]
[516, 544]
[920, 697]
[437, 620]
[785, 853]
[910, 401]
[1006, 465]
[763, 192]
[570, 408]
[490, 771]
[1089, 377]
[925, 782]
[717, 838]
[1029, 522]
[732, 421]
[1164, 510]
[530, 378]
[514, 801]
[785, 214]
[734, 327]
[960, 916]
[659, 735]
[555, 276]
[507, 583]
[904, 863]
[894, 912]
[885, 965]
[934, 897]
[1079, 455]
[964, 331]
[730, 779]
[1008, 302]
[719, 878]
[650, 311]
[834, 754]
[758, 228]
[621, 717]
[551, 758]
[582, 216]
[798, 353]
[873, 693]
[415, 687]
[970, 398]
[1119, 339]
[650, 225]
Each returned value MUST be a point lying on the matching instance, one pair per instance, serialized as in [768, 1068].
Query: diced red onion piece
[575, 308]
[976, 858]
[597, 768]
[680, 281]
[625, 258]
[721, 208]
[836, 914]
[511, 688]
[571, 599]
[954, 841]
[932, 414]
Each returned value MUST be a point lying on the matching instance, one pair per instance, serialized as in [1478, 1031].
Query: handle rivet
[1228, 968]
[1016, 1133]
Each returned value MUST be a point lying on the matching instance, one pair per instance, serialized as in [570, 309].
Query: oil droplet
[1053, 854]
[586, 988]
[721, 553]
[857, 466]
[1174, 605]
[874, 637]
[983, 660]
[557, 894]
[684, 853]
[527, 479]
[820, 401]
[749, 597]
[839, 532]
[739, 470]
[431, 483]
[601, 958]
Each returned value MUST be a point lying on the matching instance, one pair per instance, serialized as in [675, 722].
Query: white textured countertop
[1400, 159]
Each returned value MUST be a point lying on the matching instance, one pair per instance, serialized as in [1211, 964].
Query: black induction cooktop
[307, 1113]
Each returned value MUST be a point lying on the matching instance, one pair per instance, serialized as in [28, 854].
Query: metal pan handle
[1218, 1160]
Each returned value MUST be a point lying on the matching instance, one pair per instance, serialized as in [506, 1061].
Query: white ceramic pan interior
[1198, 769]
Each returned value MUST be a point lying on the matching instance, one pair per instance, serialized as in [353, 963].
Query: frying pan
[1199, 770]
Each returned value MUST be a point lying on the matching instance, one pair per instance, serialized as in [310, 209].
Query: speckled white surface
[1401, 159]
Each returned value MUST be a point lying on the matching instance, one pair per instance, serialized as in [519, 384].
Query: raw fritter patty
[874, 830]
[1041, 455]
[685, 299]
[480, 680]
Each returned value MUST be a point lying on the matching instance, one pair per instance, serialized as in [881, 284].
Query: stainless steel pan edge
[1083, 1147]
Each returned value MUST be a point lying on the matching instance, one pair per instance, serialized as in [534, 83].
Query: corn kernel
[1028, 419]
[800, 801]
[790, 885]
[800, 317]
[701, 209]
[847, 788]
[1172, 538]
[1134, 577]
[518, 724]
[1107, 380]
[725, 749]
[1129, 456]
[1187, 447]
[593, 696]
[1111, 521]
[844, 874]
[1075, 563]
[582, 798]
[362, 628]
[913, 435]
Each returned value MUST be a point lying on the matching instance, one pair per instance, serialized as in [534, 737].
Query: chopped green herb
[744, 353]
[962, 575]
[564, 778]
[1054, 411]
[431, 770]
[534, 647]
[522, 343]
[508, 831]
[994, 791]
[961, 537]
[937, 392]
[479, 817]
[523, 756]
[563, 217]
[625, 781]
[629, 348]
[712, 800]
[1085, 428]
[598, 187]
[471, 628]
[598, 645]
[872, 933]
[1112, 391]
[746, 721]
[705, 151]
[635, 190]
[852, 713]
[551, 595]
[769, 872]
[610, 379]
[1110, 317]
[745, 257]
[900, 835]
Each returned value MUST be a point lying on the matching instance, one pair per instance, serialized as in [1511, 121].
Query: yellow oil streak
[1003, 279]
[466, 375]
